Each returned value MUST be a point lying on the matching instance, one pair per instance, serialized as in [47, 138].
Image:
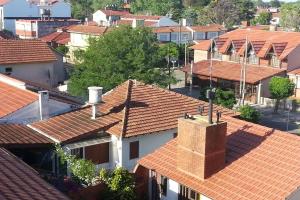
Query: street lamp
[173, 61]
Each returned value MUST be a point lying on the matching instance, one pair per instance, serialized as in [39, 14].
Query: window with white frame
[212, 35]
[199, 36]
[274, 62]
[252, 57]
[78, 152]
[164, 185]
[163, 37]
[174, 37]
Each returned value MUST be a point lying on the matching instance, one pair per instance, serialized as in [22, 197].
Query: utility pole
[244, 72]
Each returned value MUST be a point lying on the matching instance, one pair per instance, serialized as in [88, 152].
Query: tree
[83, 170]
[290, 16]
[249, 113]
[121, 54]
[81, 8]
[195, 3]
[227, 12]
[225, 98]
[275, 3]
[280, 88]
[263, 18]
[62, 49]
[120, 184]
[155, 7]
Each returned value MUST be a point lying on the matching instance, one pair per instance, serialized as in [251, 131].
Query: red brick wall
[201, 147]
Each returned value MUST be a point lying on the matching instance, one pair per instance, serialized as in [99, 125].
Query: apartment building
[268, 54]
[12, 10]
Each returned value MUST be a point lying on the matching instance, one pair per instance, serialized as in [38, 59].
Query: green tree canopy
[290, 16]
[225, 98]
[275, 3]
[227, 12]
[124, 53]
[120, 184]
[263, 18]
[249, 113]
[280, 88]
[155, 7]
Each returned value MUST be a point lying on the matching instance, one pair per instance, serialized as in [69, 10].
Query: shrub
[249, 113]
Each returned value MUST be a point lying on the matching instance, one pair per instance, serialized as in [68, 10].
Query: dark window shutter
[134, 150]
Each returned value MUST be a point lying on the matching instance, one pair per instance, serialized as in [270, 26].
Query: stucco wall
[147, 144]
[293, 59]
[200, 55]
[35, 72]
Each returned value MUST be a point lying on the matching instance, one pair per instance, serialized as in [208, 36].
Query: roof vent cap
[95, 95]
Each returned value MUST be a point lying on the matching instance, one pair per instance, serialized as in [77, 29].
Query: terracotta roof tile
[58, 37]
[145, 17]
[231, 71]
[115, 12]
[170, 29]
[13, 99]
[130, 21]
[89, 29]
[295, 72]
[25, 51]
[203, 45]
[261, 163]
[238, 37]
[208, 28]
[131, 109]
[19, 181]
[20, 135]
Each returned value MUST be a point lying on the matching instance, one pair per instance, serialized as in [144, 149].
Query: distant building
[80, 34]
[12, 10]
[269, 54]
[58, 38]
[188, 34]
[108, 17]
[30, 29]
[32, 60]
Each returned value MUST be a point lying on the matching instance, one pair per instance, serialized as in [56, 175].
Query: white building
[108, 17]
[11, 10]
[32, 60]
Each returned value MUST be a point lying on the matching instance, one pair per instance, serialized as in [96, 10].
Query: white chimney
[95, 97]
[44, 104]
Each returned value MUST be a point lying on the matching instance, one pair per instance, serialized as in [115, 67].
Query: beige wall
[294, 59]
[200, 55]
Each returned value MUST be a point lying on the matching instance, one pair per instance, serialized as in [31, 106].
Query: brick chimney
[201, 146]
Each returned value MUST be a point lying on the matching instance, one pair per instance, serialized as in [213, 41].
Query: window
[174, 37]
[164, 185]
[77, 152]
[252, 58]
[98, 154]
[275, 62]
[134, 150]
[199, 36]
[215, 54]
[8, 70]
[186, 193]
[185, 37]
[233, 56]
[163, 37]
[211, 35]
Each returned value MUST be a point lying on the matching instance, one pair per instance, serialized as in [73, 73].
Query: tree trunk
[276, 105]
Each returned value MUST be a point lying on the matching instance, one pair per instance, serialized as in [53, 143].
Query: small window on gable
[233, 55]
[251, 55]
[274, 61]
[134, 150]
[164, 185]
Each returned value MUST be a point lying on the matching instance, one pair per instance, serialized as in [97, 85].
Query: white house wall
[147, 144]
[293, 59]
[35, 72]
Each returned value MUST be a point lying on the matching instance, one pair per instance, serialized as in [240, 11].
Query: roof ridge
[126, 108]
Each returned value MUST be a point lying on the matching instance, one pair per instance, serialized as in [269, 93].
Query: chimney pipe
[44, 104]
[95, 97]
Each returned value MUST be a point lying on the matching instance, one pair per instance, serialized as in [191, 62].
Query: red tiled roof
[20, 135]
[130, 109]
[13, 99]
[238, 36]
[208, 28]
[145, 17]
[295, 72]
[89, 29]
[58, 37]
[129, 22]
[115, 12]
[261, 164]
[203, 45]
[21, 182]
[25, 51]
[232, 71]
[170, 29]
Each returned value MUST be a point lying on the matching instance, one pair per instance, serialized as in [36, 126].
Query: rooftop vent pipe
[44, 104]
[95, 97]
